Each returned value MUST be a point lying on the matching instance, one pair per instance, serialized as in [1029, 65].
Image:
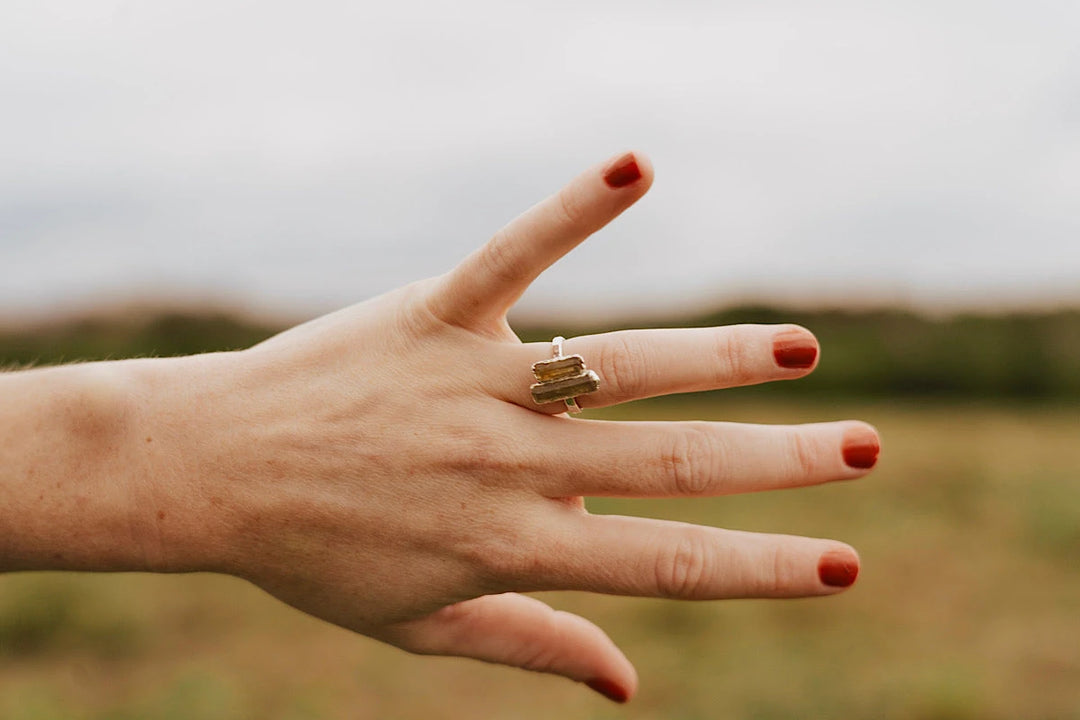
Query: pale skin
[384, 467]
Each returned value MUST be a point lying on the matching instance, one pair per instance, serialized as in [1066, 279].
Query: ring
[563, 377]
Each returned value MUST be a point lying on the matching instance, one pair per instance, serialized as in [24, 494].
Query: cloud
[307, 156]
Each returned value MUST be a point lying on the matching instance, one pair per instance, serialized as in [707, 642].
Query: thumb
[520, 631]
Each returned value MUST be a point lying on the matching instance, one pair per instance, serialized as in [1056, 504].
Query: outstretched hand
[386, 469]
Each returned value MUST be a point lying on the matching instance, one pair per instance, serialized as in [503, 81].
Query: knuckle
[690, 461]
[783, 574]
[805, 458]
[624, 366]
[431, 301]
[537, 657]
[542, 654]
[495, 560]
[411, 637]
[507, 558]
[570, 207]
[683, 568]
[523, 565]
[734, 348]
[483, 456]
[500, 261]
[472, 456]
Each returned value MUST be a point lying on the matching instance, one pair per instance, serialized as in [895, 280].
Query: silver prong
[556, 346]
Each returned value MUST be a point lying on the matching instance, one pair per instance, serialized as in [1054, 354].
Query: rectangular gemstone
[564, 388]
[558, 368]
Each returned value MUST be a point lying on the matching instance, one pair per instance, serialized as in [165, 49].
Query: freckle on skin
[462, 506]
[149, 439]
[160, 514]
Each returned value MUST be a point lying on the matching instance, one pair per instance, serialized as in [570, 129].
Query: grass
[967, 607]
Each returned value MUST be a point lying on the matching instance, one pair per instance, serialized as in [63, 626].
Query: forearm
[82, 484]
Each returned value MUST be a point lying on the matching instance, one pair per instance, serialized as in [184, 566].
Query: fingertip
[609, 688]
[630, 169]
[632, 685]
[863, 427]
[618, 681]
[861, 446]
[838, 567]
[796, 348]
[646, 167]
[629, 678]
[617, 689]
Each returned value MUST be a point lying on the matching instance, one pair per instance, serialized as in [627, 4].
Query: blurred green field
[968, 606]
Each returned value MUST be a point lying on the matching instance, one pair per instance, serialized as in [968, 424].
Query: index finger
[489, 281]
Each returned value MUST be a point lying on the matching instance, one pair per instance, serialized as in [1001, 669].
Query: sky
[296, 157]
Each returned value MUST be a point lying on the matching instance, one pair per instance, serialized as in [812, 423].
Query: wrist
[64, 456]
[180, 486]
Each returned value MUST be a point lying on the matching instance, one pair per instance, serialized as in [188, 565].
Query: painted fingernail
[623, 171]
[838, 568]
[861, 448]
[608, 689]
[794, 349]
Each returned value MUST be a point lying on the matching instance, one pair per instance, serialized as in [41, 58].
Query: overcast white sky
[301, 156]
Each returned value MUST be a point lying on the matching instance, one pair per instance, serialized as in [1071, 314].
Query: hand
[385, 468]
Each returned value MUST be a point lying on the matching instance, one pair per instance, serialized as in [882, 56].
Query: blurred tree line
[881, 353]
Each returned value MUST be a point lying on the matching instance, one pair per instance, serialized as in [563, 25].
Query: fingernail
[861, 448]
[623, 171]
[608, 689]
[794, 349]
[838, 568]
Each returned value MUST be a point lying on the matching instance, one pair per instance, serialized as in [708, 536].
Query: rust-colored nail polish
[861, 448]
[608, 689]
[794, 349]
[838, 568]
[623, 171]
